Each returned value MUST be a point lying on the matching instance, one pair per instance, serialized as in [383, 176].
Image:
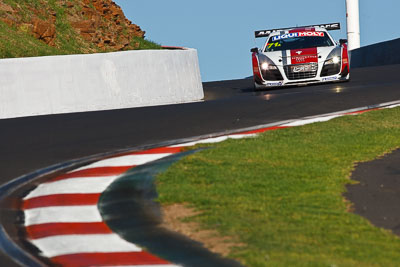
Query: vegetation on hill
[54, 27]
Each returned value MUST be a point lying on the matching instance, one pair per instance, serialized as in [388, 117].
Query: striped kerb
[63, 221]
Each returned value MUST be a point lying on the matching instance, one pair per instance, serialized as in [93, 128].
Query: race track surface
[377, 196]
[28, 144]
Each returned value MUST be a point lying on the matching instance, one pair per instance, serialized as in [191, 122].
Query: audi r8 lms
[300, 55]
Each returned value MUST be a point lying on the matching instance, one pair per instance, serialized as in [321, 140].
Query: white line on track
[241, 136]
[71, 244]
[87, 185]
[394, 106]
[215, 140]
[62, 215]
[309, 121]
[128, 160]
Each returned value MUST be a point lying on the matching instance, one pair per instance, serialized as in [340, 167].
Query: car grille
[301, 74]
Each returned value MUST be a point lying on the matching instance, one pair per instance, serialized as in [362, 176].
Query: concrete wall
[385, 53]
[78, 83]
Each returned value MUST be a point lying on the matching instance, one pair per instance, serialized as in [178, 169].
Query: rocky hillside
[42, 27]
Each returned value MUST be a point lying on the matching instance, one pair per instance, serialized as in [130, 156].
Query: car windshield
[298, 40]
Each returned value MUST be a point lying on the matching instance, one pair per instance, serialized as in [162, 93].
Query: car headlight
[333, 60]
[269, 70]
[334, 56]
[336, 60]
[266, 63]
[332, 63]
[266, 66]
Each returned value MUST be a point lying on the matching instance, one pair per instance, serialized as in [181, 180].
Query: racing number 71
[272, 44]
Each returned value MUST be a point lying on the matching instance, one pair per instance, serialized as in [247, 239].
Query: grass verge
[280, 194]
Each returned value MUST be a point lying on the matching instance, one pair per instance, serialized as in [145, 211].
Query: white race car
[300, 55]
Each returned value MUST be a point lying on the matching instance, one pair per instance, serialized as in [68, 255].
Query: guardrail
[80, 83]
[385, 53]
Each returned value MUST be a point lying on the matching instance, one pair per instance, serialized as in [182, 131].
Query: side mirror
[343, 41]
[254, 50]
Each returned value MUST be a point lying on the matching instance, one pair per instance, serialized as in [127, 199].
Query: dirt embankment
[101, 24]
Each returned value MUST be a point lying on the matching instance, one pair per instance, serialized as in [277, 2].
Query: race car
[300, 56]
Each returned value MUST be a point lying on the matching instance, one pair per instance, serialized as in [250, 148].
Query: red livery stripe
[306, 55]
[61, 200]
[108, 259]
[54, 229]
[345, 59]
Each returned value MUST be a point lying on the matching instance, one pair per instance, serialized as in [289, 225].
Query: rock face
[99, 22]
[105, 24]
[43, 30]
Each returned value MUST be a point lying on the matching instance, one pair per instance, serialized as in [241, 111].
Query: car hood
[300, 56]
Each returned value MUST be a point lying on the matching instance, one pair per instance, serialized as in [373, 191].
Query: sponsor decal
[284, 36]
[263, 33]
[330, 79]
[274, 84]
[332, 26]
[306, 55]
[304, 59]
[298, 34]
[313, 34]
[299, 69]
[329, 27]
[304, 68]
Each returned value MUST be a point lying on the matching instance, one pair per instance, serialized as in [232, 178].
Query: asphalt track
[28, 144]
[377, 196]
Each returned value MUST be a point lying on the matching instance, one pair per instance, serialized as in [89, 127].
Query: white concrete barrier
[79, 83]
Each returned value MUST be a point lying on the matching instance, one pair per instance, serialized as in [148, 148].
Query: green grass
[280, 194]
[16, 43]
[143, 44]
